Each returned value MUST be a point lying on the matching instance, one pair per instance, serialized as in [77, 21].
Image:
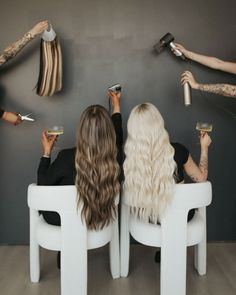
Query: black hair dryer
[167, 41]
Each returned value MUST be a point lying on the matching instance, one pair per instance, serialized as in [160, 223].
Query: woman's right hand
[12, 118]
[115, 101]
[187, 77]
[48, 142]
[39, 28]
[205, 140]
[181, 49]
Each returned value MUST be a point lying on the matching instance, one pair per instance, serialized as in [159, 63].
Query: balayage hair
[97, 168]
[149, 166]
[50, 72]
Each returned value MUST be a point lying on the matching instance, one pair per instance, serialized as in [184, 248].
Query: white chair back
[72, 238]
[173, 235]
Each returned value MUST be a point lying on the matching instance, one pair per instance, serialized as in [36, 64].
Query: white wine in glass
[204, 127]
[55, 130]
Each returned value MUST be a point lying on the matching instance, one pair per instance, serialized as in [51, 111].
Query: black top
[181, 157]
[62, 171]
[1, 113]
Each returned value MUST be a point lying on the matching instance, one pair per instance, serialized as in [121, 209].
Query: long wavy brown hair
[97, 168]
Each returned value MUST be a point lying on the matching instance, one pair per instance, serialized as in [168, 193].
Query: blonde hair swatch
[50, 73]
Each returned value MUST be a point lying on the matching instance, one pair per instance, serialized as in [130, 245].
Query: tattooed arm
[199, 173]
[16, 47]
[221, 89]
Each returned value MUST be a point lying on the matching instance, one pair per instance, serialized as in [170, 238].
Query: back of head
[149, 165]
[96, 166]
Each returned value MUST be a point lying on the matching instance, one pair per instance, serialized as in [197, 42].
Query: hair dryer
[167, 41]
[115, 88]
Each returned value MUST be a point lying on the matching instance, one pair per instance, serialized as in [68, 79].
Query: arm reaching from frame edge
[220, 89]
[13, 49]
[199, 173]
[208, 61]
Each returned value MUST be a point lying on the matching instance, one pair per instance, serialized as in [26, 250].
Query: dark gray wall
[105, 42]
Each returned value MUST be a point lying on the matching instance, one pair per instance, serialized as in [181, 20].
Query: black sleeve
[181, 153]
[50, 174]
[1, 113]
[180, 157]
[117, 122]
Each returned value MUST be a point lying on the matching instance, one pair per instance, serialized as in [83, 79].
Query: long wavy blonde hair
[97, 168]
[149, 166]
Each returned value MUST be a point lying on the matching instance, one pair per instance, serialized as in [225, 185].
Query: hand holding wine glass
[204, 129]
[48, 142]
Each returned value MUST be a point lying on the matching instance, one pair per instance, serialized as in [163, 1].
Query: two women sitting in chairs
[152, 163]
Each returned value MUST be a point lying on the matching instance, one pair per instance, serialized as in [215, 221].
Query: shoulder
[178, 146]
[67, 153]
[181, 152]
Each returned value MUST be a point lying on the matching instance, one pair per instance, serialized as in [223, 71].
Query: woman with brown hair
[92, 165]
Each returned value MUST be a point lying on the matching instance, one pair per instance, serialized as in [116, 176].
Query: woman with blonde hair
[153, 164]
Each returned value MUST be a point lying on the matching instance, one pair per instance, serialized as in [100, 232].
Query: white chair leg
[196, 257]
[115, 252]
[73, 257]
[173, 256]
[124, 241]
[34, 248]
[201, 249]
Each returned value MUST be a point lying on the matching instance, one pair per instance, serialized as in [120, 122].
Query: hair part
[97, 168]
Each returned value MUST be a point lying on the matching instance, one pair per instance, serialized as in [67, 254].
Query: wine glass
[55, 130]
[204, 127]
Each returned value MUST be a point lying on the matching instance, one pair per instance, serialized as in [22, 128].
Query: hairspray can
[187, 94]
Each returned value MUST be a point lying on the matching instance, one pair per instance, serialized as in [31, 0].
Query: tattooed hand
[221, 89]
[14, 48]
[188, 77]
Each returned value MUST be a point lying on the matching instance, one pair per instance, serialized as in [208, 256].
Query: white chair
[173, 235]
[71, 238]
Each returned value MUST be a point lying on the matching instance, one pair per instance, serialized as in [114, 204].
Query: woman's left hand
[48, 142]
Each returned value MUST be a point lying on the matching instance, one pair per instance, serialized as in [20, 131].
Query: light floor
[143, 277]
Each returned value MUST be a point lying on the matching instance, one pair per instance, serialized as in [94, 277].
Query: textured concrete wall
[104, 42]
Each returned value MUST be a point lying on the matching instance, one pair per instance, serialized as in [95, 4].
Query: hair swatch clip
[49, 35]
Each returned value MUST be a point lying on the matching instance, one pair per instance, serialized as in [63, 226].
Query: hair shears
[26, 117]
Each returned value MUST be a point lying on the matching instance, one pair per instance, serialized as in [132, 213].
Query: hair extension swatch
[50, 72]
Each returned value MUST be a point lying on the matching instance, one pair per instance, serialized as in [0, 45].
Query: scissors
[26, 117]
